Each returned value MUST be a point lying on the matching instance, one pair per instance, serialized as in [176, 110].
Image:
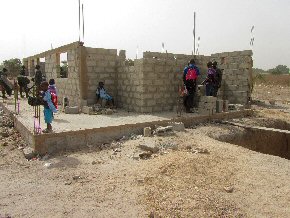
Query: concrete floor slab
[72, 122]
[78, 131]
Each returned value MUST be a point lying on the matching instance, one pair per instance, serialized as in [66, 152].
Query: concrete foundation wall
[71, 140]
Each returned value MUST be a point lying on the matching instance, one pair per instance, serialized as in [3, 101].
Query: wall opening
[62, 64]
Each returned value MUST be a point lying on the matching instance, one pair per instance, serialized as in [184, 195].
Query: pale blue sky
[30, 26]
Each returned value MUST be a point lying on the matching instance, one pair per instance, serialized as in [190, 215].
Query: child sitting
[49, 107]
[102, 94]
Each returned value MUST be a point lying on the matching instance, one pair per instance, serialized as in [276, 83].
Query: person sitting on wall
[218, 78]
[190, 74]
[101, 93]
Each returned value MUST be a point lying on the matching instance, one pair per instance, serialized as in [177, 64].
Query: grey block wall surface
[151, 85]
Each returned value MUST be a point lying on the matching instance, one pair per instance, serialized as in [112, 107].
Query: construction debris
[178, 127]
[160, 131]
[147, 132]
[87, 110]
[145, 155]
[149, 147]
[71, 110]
[229, 189]
[28, 153]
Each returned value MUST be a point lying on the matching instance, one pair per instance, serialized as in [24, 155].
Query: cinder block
[87, 110]
[219, 106]
[147, 132]
[225, 105]
[179, 127]
[72, 110]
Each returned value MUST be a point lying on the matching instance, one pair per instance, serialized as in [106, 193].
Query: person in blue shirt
[102, 94]
[190, 75]
[49, 107]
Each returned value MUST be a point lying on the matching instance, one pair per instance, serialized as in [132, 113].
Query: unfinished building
[151, 85]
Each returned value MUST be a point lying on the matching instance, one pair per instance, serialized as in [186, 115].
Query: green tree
[63, 69]
[13, 66]
[259, 71]
[280, 69]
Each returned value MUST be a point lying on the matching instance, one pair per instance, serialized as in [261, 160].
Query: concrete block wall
[237, 75]
[129, 86]
[151, 85]
[101, 66]
[67, 87]
[161, 77]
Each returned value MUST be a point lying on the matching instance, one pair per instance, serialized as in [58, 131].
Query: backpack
[191, 74]
[54, 99]
[34, 101]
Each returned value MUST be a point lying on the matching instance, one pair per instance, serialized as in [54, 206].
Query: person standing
[23, 81]
[210, 80]
[53, 91]
[37, 78]
[49, 107]
[3, 75]
[190, 74]
[218, 78]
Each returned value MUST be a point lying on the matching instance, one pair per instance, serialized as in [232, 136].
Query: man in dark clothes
[218, 78]
[190, 74]
[3, 74]
[37, 78]
[23, 81]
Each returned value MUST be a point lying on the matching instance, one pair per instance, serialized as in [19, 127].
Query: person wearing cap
[218, 78]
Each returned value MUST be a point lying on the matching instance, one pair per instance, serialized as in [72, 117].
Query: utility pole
[252, 37]
[194, 30]
[79, 20]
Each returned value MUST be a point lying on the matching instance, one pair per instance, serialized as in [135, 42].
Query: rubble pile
[8, 136]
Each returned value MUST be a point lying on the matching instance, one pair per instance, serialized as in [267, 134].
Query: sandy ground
[267, 92]
[193, 175]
